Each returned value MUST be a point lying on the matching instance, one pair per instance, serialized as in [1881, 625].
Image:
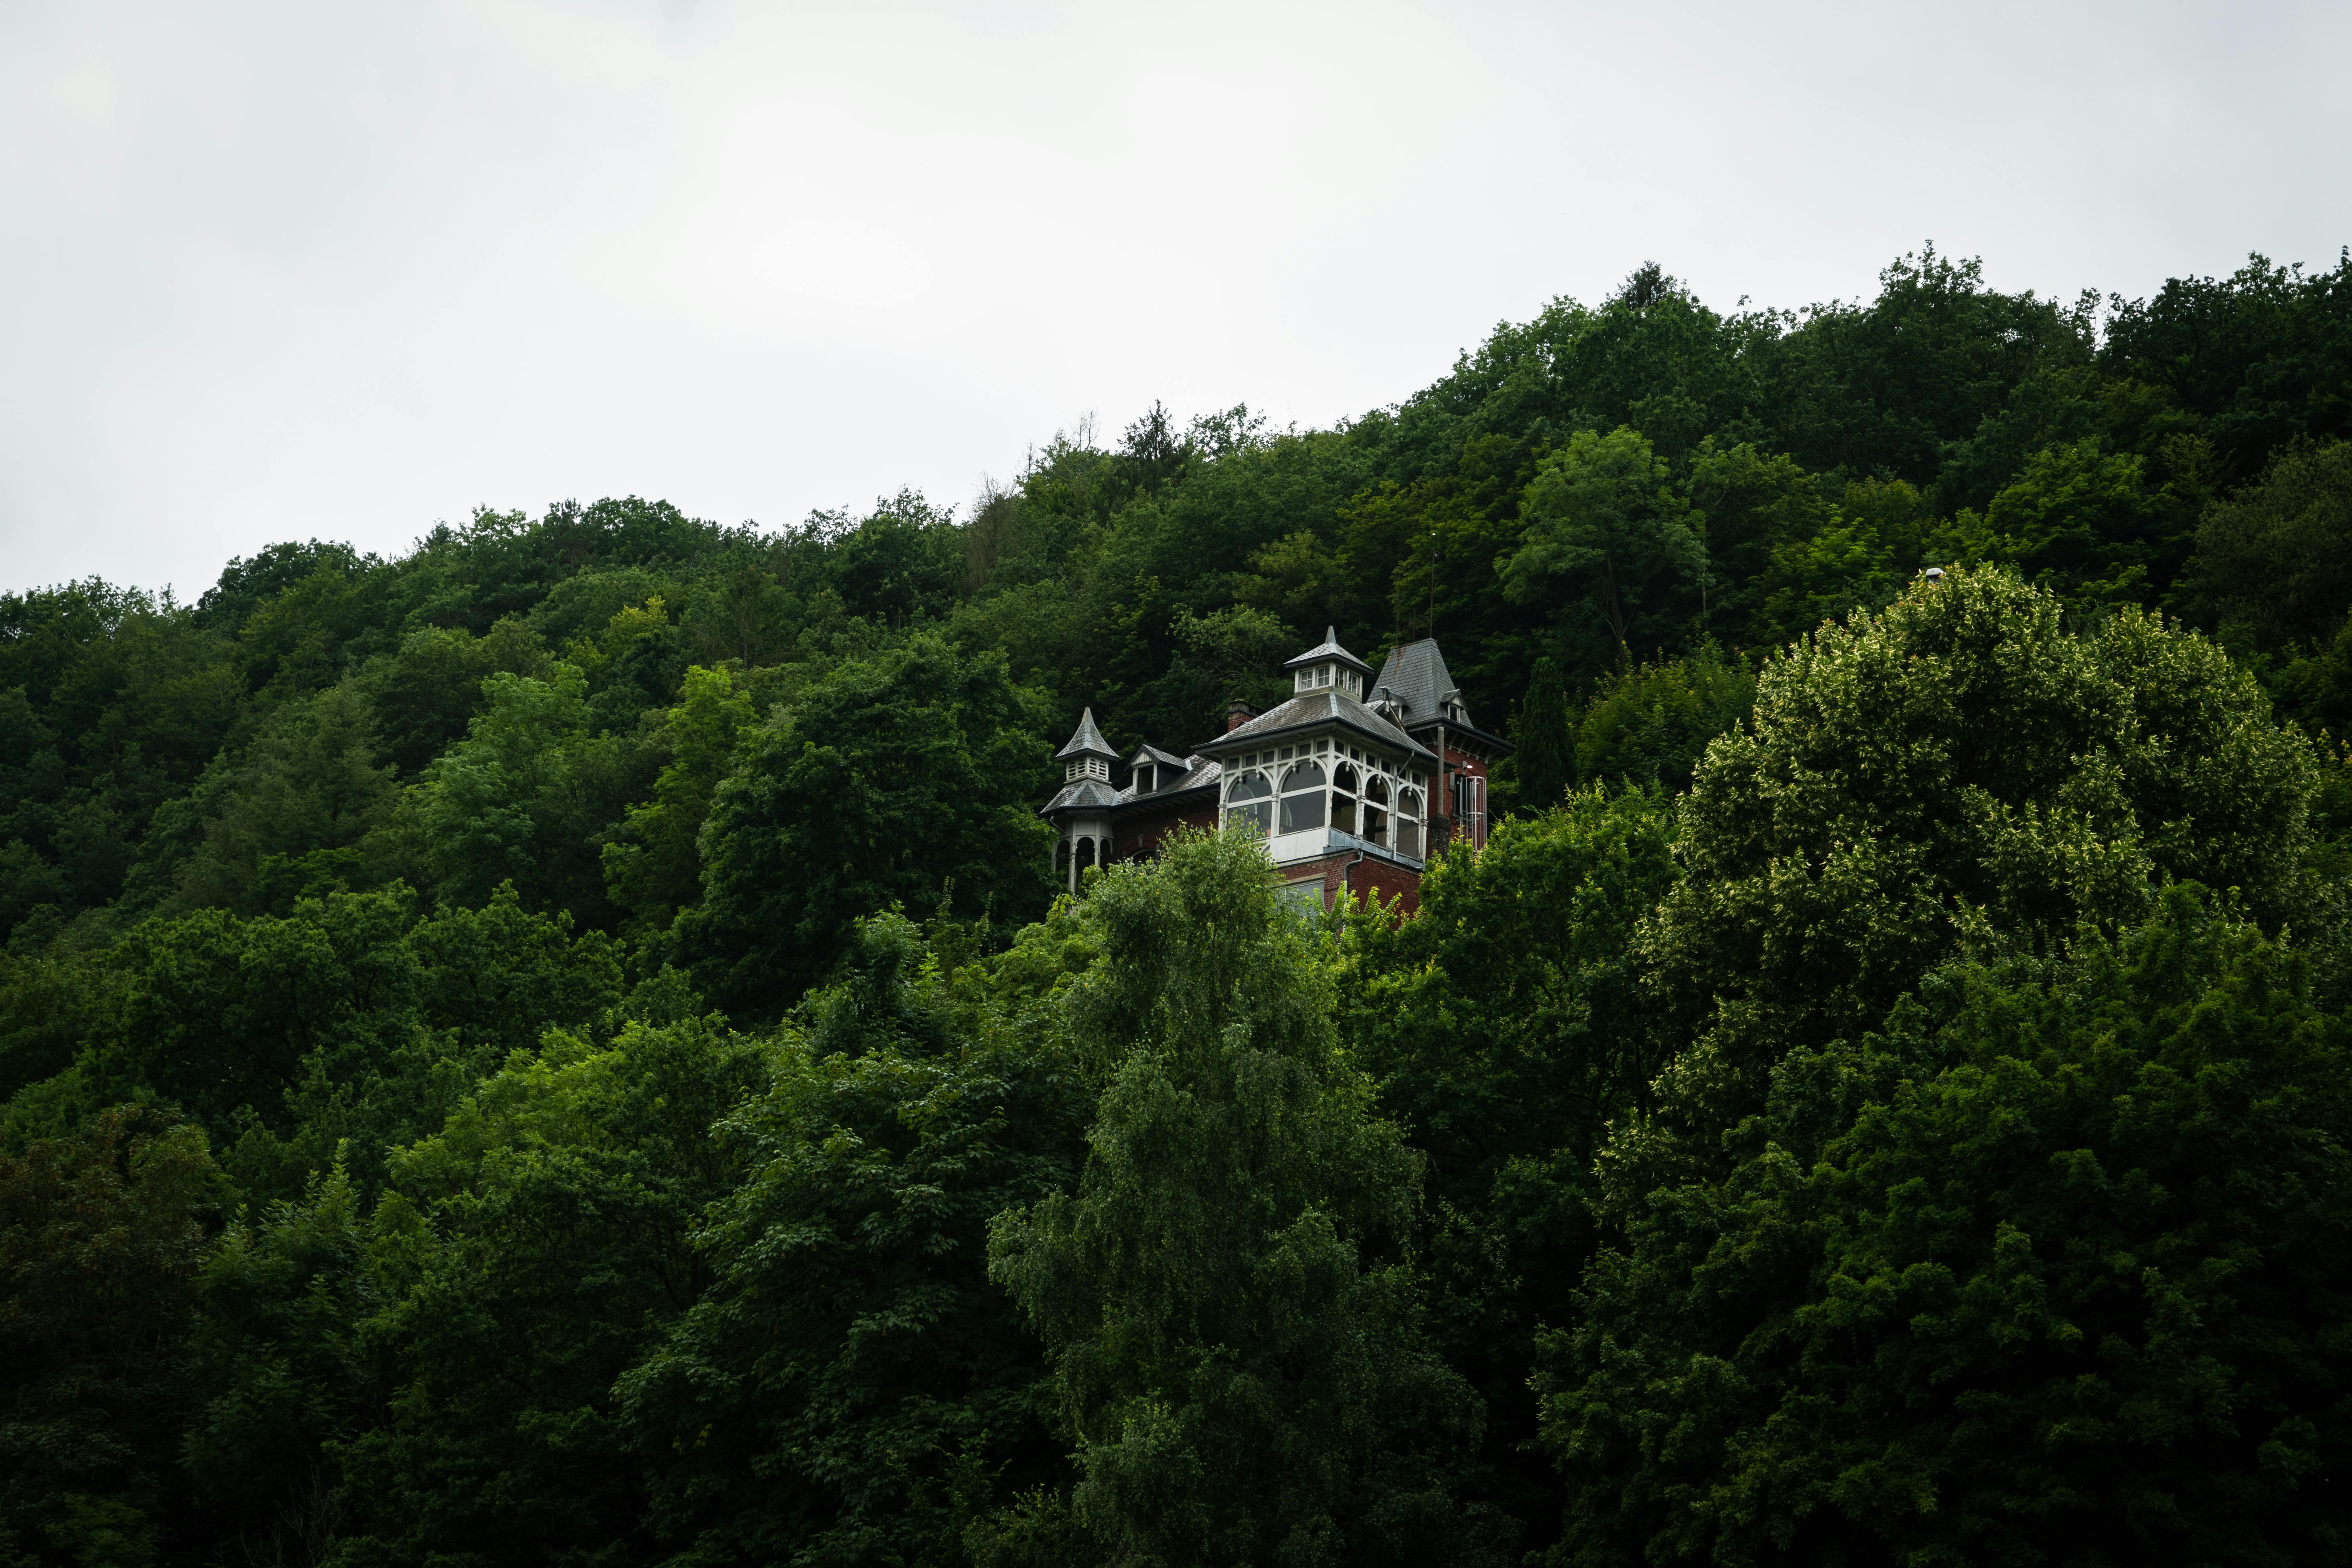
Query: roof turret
[1329, 651]
[1086, 741]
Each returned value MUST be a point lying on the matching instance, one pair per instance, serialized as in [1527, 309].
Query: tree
[350, 1024]
[886, 780]
[102, 1236]
[1649, 725]
[853, 1388]
[531, 1250]
[2086, 524]
[1546, 759]
[1508, 1028]
[1233, 1330]
[1961, 759]
[524, 798]
[2273, 563]
[651, 863]
[2050, 1270]
[1601, 516]
[291, 816]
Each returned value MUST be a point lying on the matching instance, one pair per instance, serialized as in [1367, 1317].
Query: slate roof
[1094, 795]
[1086, 741]
[1081, 795]
[1329, 706]
[1150, 753]
[1328, 650]
[1199, 773]
[1416, 678]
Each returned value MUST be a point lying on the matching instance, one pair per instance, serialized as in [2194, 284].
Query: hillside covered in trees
[562, 1048]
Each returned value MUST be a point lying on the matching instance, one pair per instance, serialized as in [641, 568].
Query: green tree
[853, 1388]
[1508, 1028]
[2049, 1272]
[1649, 725]
[349, 1020]
[524, 799]
[651, 863]
[1233, 1328]
[277, 1357]
[1962, 758]
[529, 1253]
[886, 780]
[291, 814]
[2085, 524]
[2273, 563]
[1545, 764]
[101, 1237]
[1601, 516]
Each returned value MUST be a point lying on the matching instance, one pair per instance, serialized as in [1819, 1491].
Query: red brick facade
[1362, 875]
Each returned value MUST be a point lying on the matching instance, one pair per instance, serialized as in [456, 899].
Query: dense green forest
[561, 1047]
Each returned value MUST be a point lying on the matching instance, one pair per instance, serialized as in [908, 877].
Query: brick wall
[1341, 871]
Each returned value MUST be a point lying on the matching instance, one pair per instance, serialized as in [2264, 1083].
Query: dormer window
[1144, 776]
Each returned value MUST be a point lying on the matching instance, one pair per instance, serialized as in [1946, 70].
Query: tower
[1082, 810]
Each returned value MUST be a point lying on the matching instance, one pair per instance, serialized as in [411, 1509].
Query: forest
[562, 1048]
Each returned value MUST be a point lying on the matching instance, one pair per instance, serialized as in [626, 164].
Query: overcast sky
[275, 272]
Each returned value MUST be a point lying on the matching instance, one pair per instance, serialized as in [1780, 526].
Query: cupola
[1087, 755]
[1328, 666]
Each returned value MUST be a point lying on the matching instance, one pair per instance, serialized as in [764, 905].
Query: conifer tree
[1547, 755]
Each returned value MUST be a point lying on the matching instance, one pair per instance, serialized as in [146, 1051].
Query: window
[1143, 779]
[1086, 768]
[1376, 815]
[1302, 798]
[1343, 793]
[1248, 800]
[1408, 828]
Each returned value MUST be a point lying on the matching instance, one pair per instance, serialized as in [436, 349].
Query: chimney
[1238, 713]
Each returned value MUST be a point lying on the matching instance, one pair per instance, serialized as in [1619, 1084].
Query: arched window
[1408, 828]
[1062, 858]
[1302, 798]
[1248, 799]
[1376, 811]
[1085, 853]
[1343, 797]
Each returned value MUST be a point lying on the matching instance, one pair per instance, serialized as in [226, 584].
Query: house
[1355, 782]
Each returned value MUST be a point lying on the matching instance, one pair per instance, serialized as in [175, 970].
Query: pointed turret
[1087, 741]
[1329, 664]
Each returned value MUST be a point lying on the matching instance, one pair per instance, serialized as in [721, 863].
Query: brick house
[1355, 781]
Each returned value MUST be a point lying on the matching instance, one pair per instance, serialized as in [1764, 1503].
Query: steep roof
[1326, 651]
[1086, 741]
[1416, 680]
[1324, 707]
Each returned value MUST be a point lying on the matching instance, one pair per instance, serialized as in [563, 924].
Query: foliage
[906, 778]
[1233, 1332]
[851, 1388]
[101, 1240]
[1602, 517]
[1507, 1029]
[1650, 724]
[2275, 562]
[1545, 764]
[377, 1187]
[2050, 1271]
[1961, 760]
[651, 864]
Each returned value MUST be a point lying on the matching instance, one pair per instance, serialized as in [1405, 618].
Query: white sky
[273, 272]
